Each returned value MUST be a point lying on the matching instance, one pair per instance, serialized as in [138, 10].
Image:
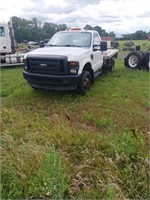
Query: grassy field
[144, 44]
[58, 145]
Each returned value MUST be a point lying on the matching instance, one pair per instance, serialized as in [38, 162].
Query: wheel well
[88, 67]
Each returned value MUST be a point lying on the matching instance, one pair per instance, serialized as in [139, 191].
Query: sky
[120, 16]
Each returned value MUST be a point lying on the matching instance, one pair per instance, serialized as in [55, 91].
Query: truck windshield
[71, 39]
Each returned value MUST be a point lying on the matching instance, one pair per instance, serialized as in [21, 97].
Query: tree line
[138, 35]
[34, 30]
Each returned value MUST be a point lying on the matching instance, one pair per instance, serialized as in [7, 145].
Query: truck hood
[71, 52]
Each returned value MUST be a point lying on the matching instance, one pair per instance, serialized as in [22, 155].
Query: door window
[2, 32]
[96, 40]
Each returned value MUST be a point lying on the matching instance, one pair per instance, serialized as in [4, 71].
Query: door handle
[91, 56]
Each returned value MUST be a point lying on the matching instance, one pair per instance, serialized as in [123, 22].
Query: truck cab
[5, 41]
[70, 60]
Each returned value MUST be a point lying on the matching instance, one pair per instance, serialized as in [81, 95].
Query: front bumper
[52, 82]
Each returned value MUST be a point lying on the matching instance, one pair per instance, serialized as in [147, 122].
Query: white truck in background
[5, 40]
[8, 45]
[70, 60]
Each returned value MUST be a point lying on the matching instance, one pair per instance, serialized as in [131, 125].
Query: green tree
[88, 27]
[138, 35]
[101, 31]
[112, 34]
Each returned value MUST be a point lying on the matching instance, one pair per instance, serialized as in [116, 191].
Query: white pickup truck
[70, 60]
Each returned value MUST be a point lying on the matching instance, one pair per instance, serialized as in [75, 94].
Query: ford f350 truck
[70, 60]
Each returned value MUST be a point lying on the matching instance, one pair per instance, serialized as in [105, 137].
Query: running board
[97, 73]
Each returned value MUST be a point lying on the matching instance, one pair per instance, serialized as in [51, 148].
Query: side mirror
[96, 47]
[103, 46]
[42, 44]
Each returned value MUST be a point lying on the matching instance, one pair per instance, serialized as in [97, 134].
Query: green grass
[144, 44]
[59, 145]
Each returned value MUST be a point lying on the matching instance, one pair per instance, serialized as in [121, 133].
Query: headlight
[73, 67]
[73, 64]
[74, 71]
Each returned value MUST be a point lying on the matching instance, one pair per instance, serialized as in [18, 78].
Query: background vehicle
[70, 60]
[138, 60]
[32, 43]
[7, 38]
[8, 45]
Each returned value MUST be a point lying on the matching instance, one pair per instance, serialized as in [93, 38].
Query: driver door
[97, 53]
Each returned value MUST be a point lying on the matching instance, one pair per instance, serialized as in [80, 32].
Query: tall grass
[33, 173]
[58, 145]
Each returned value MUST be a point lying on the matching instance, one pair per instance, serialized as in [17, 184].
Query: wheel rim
[86, 84]
[133, 61]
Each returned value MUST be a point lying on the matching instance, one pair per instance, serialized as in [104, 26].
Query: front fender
[83, 62]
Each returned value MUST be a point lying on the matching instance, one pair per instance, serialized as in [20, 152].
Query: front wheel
[85, 83]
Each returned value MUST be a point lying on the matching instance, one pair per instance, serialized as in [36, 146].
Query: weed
[111, 192]
[46, 178]
[50, 180]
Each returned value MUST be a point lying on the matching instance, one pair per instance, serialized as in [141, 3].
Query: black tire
[112, 65]
[147, 62]
[85, 83]
[134, 60]
[108, 66]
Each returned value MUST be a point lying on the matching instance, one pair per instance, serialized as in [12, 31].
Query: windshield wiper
[70, 45]
[65, 45]
[52, 45]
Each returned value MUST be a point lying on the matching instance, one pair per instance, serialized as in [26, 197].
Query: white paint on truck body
[5, 41]
[71, 60]
[80, 54]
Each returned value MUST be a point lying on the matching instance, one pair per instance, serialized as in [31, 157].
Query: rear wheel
[134, 60]
[147, 62]
[85, 83]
